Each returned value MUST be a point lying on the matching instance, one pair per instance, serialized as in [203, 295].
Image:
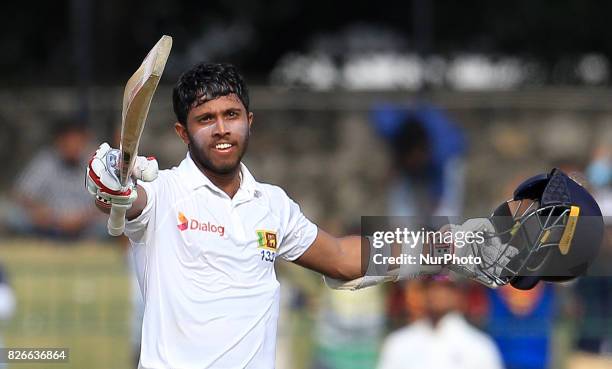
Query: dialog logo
[183, 221]
[192, 224]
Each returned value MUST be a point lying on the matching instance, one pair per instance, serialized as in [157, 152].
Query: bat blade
[137, 98]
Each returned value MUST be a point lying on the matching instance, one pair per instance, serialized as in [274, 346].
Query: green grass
[70, 295]
[78, 296]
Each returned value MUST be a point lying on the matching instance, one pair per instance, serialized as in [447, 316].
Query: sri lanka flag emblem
[183, 221]
[266, 239]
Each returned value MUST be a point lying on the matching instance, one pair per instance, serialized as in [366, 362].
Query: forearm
[352, 263]
[355, 257]
[349, 258]
[377, 266]
[335, 257]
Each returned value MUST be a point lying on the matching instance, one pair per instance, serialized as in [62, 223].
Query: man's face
[442, 297]
[217, 133]
[71, 145]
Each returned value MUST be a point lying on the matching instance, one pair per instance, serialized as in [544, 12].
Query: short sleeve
[298, 232]
[135, 228]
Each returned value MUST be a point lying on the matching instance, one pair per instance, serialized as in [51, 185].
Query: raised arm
[102, 182]
[137, 206]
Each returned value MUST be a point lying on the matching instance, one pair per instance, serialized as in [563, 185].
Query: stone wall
[322, 150]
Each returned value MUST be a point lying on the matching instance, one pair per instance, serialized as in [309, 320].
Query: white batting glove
[492, 249]
[102, 178]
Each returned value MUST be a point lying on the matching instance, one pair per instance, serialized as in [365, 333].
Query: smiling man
[206, 234]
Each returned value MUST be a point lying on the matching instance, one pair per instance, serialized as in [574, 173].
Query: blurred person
[599, 170]
[349, 328]
[48, 194]
[427, 151]
[415, 293]
[406, 303]
[136, 301]
[7, 301]
[427, 175]
[521, 322]
[595, 291]
[206, 235]
[442, 338]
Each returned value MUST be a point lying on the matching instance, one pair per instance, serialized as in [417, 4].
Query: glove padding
[102, 177]
[492, 249]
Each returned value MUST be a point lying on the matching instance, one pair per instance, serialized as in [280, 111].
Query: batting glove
[102, 178]
[493, 253]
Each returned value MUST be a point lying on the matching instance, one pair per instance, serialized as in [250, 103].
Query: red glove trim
[94, 177]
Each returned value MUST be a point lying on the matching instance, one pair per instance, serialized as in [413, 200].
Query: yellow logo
[183, 222]
[568, 234]
[266, 239]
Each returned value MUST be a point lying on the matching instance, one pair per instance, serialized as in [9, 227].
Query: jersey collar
[195, 179]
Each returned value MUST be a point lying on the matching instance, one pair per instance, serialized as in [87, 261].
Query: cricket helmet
[551, 230]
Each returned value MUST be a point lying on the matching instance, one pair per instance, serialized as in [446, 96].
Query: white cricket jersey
[453, 344]
[205, 265]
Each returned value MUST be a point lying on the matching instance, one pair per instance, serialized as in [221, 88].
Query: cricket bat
[137, 98]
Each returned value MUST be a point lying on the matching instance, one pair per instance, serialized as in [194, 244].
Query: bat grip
[116, 220]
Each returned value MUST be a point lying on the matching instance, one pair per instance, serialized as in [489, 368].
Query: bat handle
[116, 220]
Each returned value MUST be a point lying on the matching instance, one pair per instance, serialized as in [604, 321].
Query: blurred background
[395, 108]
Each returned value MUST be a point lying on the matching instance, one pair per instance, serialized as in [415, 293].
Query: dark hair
[411, 137]
[63, 126]
[204, 82]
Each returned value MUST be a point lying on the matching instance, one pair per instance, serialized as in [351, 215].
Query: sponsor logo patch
[185, 224]
[183, 221]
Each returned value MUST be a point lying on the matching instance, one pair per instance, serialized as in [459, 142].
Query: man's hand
[492, 253]
[102, 179]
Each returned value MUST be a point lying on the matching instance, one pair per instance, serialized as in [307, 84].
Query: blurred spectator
[595, 292]
[442, 339]
[595, 326]
[349, 326]
[349, 329]
[427, 174]
[405, 303]
[7, 301]
[599, 171]
[49, 194]
[427, 149]
[521, 322]
[137, 312]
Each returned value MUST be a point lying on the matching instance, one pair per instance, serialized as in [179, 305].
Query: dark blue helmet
[553, 229]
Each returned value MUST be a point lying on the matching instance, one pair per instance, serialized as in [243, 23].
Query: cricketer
[206, 235]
